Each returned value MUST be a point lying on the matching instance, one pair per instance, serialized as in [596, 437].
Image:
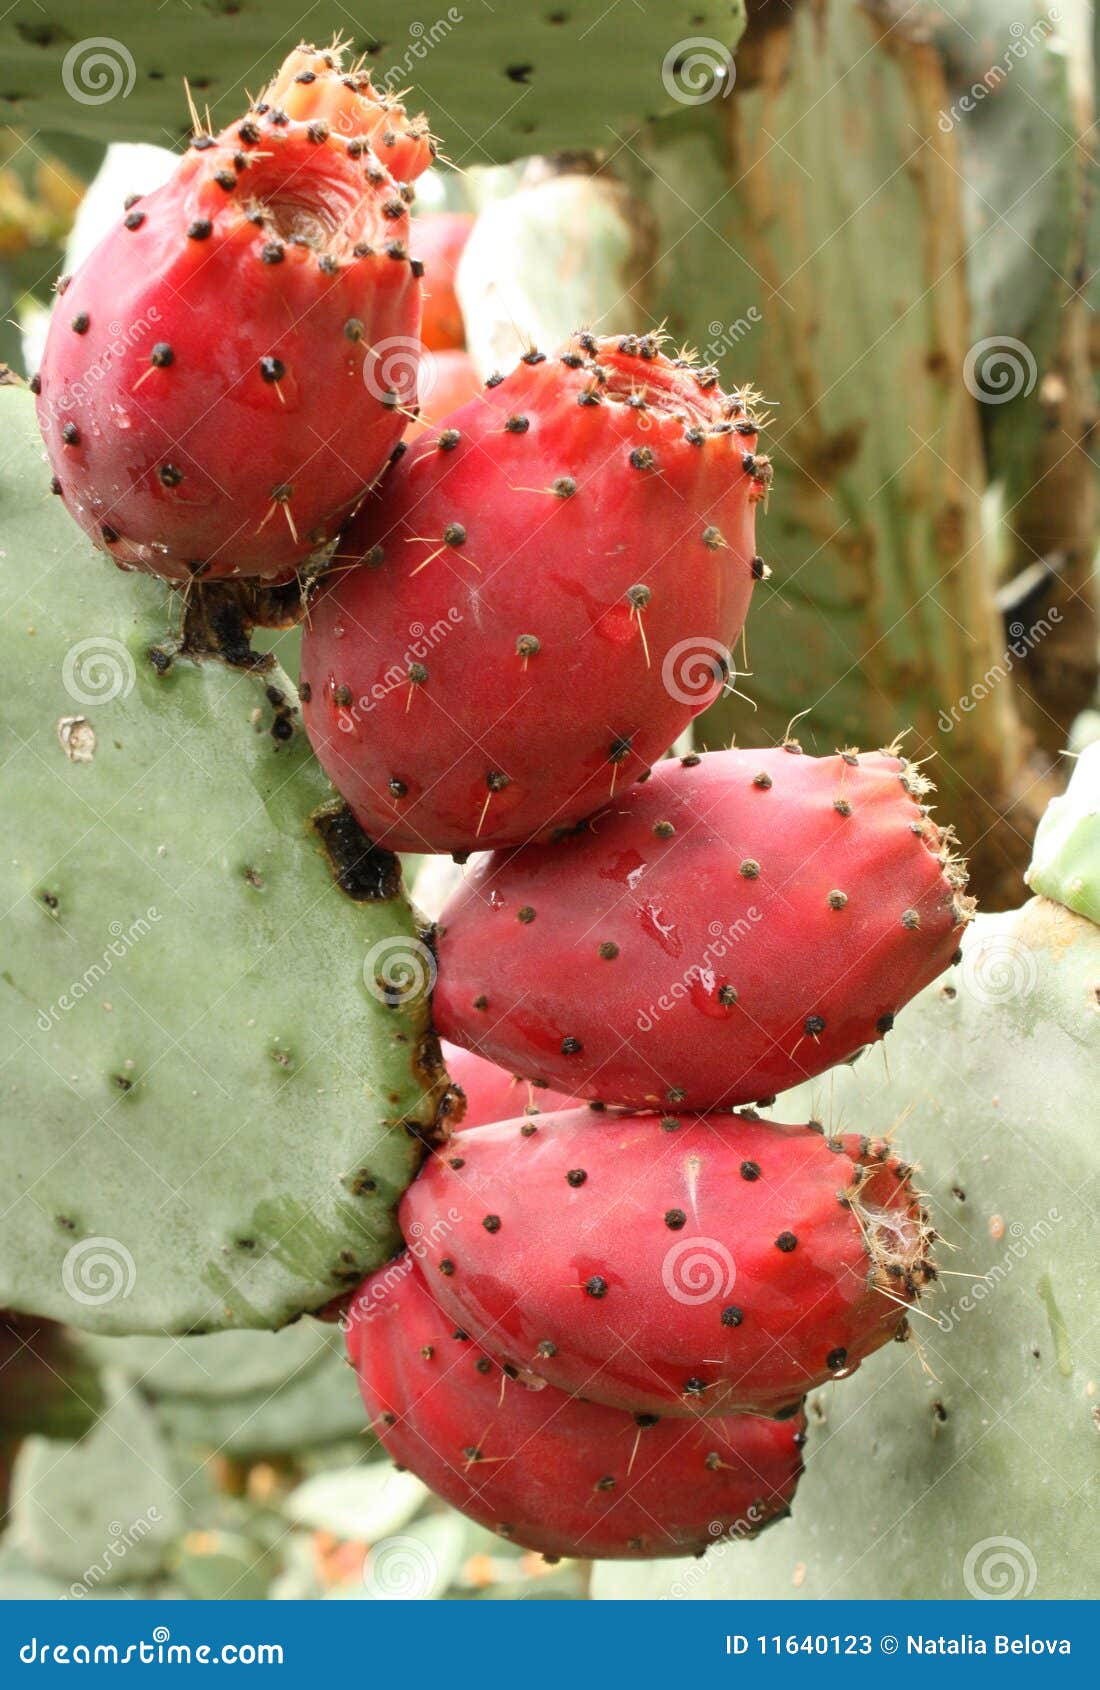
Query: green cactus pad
[214, 1023]
[497, 81]
[1065, 862]
[103, 1509]
[963, 1463]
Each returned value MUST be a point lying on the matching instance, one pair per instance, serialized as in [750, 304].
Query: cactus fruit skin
[220, 385]
[548, 1471]
[438, 239]
[492, 1094]
[742, 921]
[678, 1265]
[549, 591]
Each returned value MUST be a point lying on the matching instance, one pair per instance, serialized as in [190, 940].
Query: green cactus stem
[813, 235]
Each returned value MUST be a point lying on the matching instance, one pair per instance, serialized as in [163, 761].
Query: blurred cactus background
[883, 215]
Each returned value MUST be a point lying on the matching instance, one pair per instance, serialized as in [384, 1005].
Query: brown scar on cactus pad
[572, 527]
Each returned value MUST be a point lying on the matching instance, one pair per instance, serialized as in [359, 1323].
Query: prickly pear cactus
[502, 80]
[214, 1022]
[962, 1463]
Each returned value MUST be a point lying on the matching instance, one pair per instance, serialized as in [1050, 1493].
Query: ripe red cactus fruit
[492, 1094]
[740, 923]
[232, 366]
[682, 1265]
[438, 239]
[546, 1470]
[551, 587]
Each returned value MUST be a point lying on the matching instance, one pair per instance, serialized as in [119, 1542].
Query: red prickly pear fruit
[446, 381]
[438, 238]
[492, 1094]
[545, 1470]
[225, 375]
[682, 1265]
[740, 923]
[551, 587]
